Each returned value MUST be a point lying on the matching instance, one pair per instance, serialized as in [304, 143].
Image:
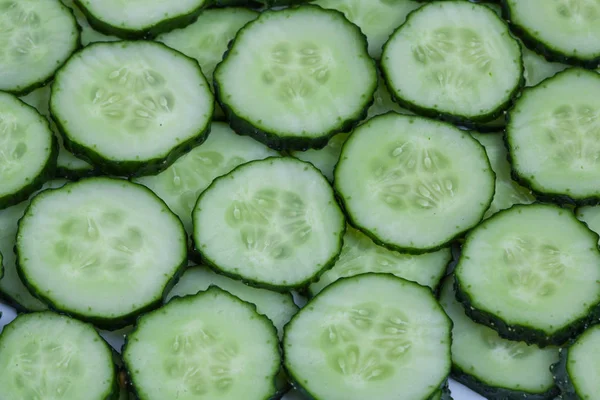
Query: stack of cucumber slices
[299, 199]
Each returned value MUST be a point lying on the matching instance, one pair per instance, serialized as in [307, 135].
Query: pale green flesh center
[13, 146]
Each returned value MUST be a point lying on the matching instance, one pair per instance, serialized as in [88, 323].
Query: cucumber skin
[562, 378]
[272, 139]
[149, 32]
[74, 175]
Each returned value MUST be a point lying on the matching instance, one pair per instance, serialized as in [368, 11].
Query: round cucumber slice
[88, 34]
[371, 336]
[400, 186]
[49, 356]
[211, 345]
[140, 107]
[101, 249]
[272, 223]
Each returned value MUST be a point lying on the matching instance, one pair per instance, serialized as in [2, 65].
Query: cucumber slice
[88, 34]
[508, 192]
[36, 38]
[11, 286]
[562, 30]
[376, 18]
[454, 60]
[537, 68]
[28, 150]
[552, 137]
[372, 336]
[181, 184]
[278, 307]
[273, 223]
[399, 185]
[103, 250]
[360, 255]
[211, 345]
[591, 216]
[314, 78]
[139, 19]
[531, 273]
[139, 108]
[50, 356]
[494, 367]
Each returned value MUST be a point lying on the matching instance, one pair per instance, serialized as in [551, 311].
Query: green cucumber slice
[400, 186]
[494, 367]
[28, 150]
[140, 107]
[455, 60]
[36, 38]
[104, 250]
[537, 68]
[88, 34]
[278, 307]
[211, 345]
[360, 255]
[181, 184]
[273, 223]
[531, 273]
[591, 216]
[552, 137]
[314, 78]
[372, 336]
[49, 356]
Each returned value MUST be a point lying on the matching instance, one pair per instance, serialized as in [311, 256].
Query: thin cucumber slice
[49, 356]
[531, 273]
[400, 186]
[36, 38]
[28, 150]
[273, 223]
[11, 286]
[553, 137]
[455, 60]
[67, 165]
[537, 68]
[383, 102]
[376, 18]
[508, 192]
[141, 18]
[140, 106]
[372, 336]
[314, 78]
[591, 216]
[181, 184]
[211, 345]
[88, 34]
[278, 307]
[496, 368]
[562, 30]
[360, 255]
[103, 250]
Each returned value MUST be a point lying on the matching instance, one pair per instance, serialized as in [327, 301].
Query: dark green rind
[237, 3]
[523, 333]
[478, 122]
[102, 322]
[545, 49]
[129, 168]
[562, 378]
[147, 32]
[1, 269]
[278, 141]
[277, 388]
[76, 174]
[279, 3]
[390, 246]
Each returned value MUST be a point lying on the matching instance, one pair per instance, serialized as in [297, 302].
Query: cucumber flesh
[591, 216]
[88, 34]
[537, 68]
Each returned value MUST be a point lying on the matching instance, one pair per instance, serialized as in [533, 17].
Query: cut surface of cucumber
[36, 38]
[278, 307]
[531, 272]
[88, 34]
[360, 255]
[371, 336]
[564, 30]
[272, 223]
[211, 345]
[412, 183]
[136, 19]
[494, 367]
[27, 150]
[181, 184]
[309, 67]
[44, 355]
[553, 136]
[591, 216]
[101, 249]
[537, 68]
[453, 59]
[138, 107]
